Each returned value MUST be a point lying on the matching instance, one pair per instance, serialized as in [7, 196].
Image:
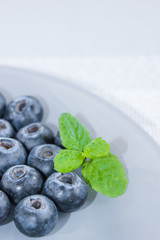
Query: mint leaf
[105, 175]
[73, 134]
[96, 148]
[68, 160]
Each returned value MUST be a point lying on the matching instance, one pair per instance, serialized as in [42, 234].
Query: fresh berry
[11, 153]
[23, 111]
[35, 215]
[35, 134]
[2, 105]
[5, 206]
[6, 129]
[21, 181]
[42, 158]
[67, 190]
[58, 140]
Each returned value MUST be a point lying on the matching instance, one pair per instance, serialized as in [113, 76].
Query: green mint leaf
[73, 134]
[96, 148]
[68, 160]
[105, 175]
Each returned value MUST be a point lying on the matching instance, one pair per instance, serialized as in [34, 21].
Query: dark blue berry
[42, 158]
[5, 206]
[23, 110]
[2, 105]
[11, 153]
[21, 181]
[35, 215]
[6, 129]
[35, 134]
[67, 190]
[58, 140]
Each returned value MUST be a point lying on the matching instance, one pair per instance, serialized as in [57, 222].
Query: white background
[109, 47]
[37, 28]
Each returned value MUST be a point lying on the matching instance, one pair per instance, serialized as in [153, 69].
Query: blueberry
[5, 207]
[42, 156]
[23, 111]
[67, 190]
[11, 153]
[2, 105]
[35, 134]
[6, 129]
[58, 140]
[21, 181]
[35, 215]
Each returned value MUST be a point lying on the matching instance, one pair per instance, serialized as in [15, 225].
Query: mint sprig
[96, 148]
[68, 160]
[73, 134]
[105, 175]
[103, 172]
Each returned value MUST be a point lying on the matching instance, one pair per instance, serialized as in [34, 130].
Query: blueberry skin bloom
[6, 129]
[42, 158]
[21, 181]
[35, 215]
[2, 105]
[23, 111]
[35, 134]
[5, 206]
[67, 190]
[58, 140]
[11, 153]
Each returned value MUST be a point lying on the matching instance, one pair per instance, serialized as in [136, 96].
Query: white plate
[133, 216]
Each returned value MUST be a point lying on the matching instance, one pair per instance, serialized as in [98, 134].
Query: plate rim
[87, 92]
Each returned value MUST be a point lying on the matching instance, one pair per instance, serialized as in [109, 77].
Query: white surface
[32, 31]
[132, 84]
[134, 215]
[38, 28]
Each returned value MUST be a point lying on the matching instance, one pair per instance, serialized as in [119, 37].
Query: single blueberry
[21, 181]
[6, 129]
[23, 110]
[42, 158]
[67, 190]
[35, 215]
[35, 134]
[11, 153]
[5, 206]
[58, 140]
[2, 105]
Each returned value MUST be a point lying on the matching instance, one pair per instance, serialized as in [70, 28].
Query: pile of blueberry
[28, 179]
